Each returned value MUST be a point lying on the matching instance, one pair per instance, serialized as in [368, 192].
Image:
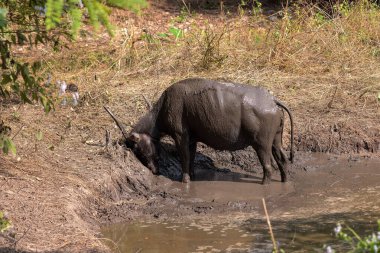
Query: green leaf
[16, 87]
[11, 146]
[4, 223]
[134, 5]
[13, 39]
[30, 39]
[25, 74]
[38, 39]
[163, 35]
[102, 13]
[76, 21]
[36, 66]
[21, 38]
[46, 103]
[3, 18]
[25, 98]
[92, 13]
[8, 145]
[6, 78]
[39, 135]
[177, 32]
[53, 14]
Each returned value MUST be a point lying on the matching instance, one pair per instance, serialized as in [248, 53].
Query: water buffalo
[224, 116]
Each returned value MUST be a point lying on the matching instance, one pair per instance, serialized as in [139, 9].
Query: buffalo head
[145, 149]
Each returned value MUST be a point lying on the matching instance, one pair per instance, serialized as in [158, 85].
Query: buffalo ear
[135, 137]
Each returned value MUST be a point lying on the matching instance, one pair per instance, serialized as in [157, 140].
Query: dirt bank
[59, 190]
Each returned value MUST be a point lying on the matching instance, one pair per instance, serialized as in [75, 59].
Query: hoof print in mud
[202, 209]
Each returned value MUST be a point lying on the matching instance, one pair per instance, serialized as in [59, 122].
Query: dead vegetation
[321, 64]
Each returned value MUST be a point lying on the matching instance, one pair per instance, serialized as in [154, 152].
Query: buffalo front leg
[182, 145]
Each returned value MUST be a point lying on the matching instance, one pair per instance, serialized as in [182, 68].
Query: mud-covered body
[224, 116]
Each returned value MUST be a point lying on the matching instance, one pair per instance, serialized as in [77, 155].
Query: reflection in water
[300, 235]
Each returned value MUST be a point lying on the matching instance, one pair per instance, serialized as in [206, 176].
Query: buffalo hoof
[185, 178]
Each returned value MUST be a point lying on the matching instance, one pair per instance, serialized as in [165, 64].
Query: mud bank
[222, 187]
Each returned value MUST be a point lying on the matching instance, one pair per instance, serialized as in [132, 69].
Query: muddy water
[225, 186]
[206, 236]
[324, 191]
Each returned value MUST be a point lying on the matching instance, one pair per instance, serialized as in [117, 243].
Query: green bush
[5, 223]
[368, 244]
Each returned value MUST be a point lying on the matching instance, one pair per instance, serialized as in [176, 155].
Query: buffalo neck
[148, 125]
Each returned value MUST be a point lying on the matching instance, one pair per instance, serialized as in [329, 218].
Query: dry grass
[324, 66]
[303, 43]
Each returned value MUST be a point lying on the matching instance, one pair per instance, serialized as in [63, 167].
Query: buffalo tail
[291, 128]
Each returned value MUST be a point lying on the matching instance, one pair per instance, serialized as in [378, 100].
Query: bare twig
[115, 244]
[187, 8]
[97, 144]
[270, 227]
[14, 136]
[22, 236]
[329, 105]
[108, 138]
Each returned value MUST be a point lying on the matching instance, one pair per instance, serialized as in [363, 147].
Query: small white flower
[64, 102]
[378, 235]
[62, 87]
[75, 98]
[329, 250]
[338, 229]
[375, 249]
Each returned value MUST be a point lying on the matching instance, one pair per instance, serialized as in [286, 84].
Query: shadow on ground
[205, 167]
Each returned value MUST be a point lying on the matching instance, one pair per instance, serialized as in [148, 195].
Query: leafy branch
[36, 22]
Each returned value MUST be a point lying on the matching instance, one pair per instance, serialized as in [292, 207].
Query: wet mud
[221, 210]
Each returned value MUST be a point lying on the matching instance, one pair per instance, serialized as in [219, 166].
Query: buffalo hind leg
[193, 150]
[264, 155]
[182, 145]
[280, 157]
